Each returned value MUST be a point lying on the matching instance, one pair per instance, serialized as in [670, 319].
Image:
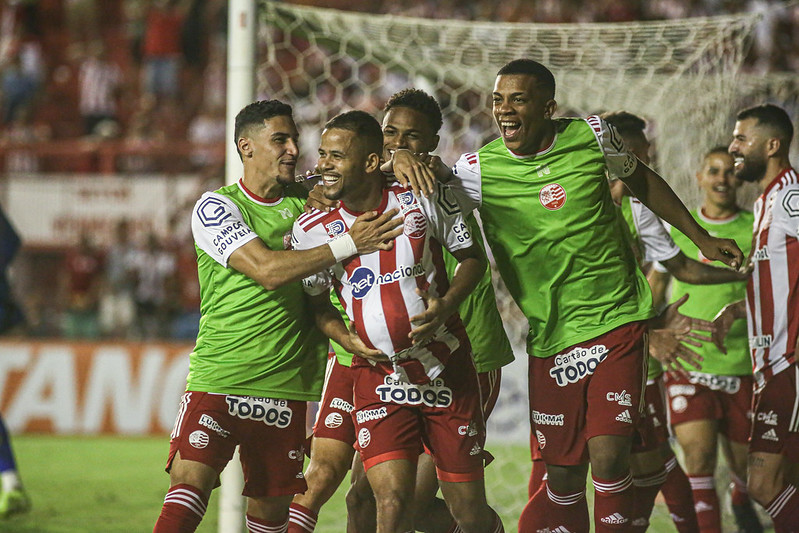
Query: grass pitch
[117, 484]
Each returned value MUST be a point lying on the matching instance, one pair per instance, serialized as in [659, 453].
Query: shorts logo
[414, 225]
[199, 439]
[728, 384]
[363, 279]
[622, 398]
[544, 419]
[434, 394]
[470, 430]
[559, 529]
[371, 414]
[682, 390]
[338, 403]
[335, 228]
[298, 454]
[615, 518]
[542, 440]
[770, 435]
[761, 341]
[679, 404]
[624, 416]
[364, 438]
[476, 449]
[270, 412]
[552, 196]
[212, 424]
[769, 418]
[577, 364]
[333, 420]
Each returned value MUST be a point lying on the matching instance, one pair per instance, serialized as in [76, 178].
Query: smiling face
[717, 179]
[522, 112]
[749, 150]
[404, 127]
[342, 163]
[272, 149]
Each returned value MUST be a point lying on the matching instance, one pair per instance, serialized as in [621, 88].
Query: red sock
[784, 510]
[259, 525]
[184, 508]
[614, 500]
[646, 490]
[706, 503]
[547, 510]
[301, 519]
[679, 499]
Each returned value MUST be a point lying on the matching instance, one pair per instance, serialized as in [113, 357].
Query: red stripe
[792, 252]
[309, 220]
[459, 477]
[410, 455]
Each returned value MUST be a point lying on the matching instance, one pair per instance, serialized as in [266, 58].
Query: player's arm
[724, 320]
[655, 193]
[272, 268]
[659, 283]
[692, 271]
[328, 320]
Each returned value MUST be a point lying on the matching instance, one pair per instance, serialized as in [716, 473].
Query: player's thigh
[737, 456]
[192, 473]
[766, 475]
[330, 461]
[698, 440]
[272, 509]
[465, 498]
[393, 480]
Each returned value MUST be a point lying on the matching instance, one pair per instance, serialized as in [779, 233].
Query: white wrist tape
[343, 247]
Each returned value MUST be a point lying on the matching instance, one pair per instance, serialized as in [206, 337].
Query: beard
[752, 170]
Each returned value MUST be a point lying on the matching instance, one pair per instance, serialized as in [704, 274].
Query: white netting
[682, 75]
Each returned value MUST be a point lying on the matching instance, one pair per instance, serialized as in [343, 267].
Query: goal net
[681, 75]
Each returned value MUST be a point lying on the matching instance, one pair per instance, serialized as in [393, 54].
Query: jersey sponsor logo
[270, 412]
[414, 225]
[407, 201]
[461, 231]
[363, 279]
[622, 398]
[335, 228]
[769, 418]
[446, 202]
[334, 420]
[728, 384]
[199, 439]
[790, 202]
[542, 440]
[625, 417]
[761, 254]
[364, 438]
[367, 415]
[338, 403]
[615, 139]
[434, 394]
[542, 171]
[214, 426]
[229, 235]
[679, 404]
[760, 341]
[552, 196]
[469, 430]
[213, 212]
[682, 390]
[577, 364]
[615, 518]
[545, 419]
[285, 213]
[770, 435]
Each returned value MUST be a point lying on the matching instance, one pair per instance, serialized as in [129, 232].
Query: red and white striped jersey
[378, 290]
[772, 294]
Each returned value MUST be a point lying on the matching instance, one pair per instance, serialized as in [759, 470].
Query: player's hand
[359, 348]
[317, 200]
[371, 232]
[722, 323]
[724, 250]
[426, 324]
[671, 318]
[411, 169]
[670, 346]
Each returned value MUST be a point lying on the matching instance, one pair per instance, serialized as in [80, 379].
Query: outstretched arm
[692, 271]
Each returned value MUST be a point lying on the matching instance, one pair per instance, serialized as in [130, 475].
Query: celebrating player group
[373, 292]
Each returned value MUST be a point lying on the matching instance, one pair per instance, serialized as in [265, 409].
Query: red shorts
[775, 424]
[270, 435]
[587, 390]
[726, 399]
[334, 418]
[653, 427]
[394, 420]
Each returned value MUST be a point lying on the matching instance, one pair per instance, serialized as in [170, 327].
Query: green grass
[117, 484]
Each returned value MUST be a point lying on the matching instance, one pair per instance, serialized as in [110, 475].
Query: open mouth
[510, 129]
[330, 179]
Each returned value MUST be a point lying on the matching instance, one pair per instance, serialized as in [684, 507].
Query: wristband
[343, 247]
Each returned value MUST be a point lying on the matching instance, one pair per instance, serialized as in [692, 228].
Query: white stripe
[794, 425]
[670, 465]
[619, 486]
[568, 499]
[651, 481]
[259, 528]
[186, 499]
[301, 519]
[780, 501]
[182, 408]
[702, 482]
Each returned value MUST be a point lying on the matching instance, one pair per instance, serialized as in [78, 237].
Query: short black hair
[420, 101]
[364, 125]
[773, 117]
[720, 149]
[256, 113]
[542, 74]
[626, 123]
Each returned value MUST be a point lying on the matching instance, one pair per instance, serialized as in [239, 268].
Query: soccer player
[420, 385]
[544, 201]
[412, 120]
[760, 147]
[258, 357]
[712, 403]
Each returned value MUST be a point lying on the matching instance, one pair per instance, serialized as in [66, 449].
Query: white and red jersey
[772, 294]
[378, 290]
